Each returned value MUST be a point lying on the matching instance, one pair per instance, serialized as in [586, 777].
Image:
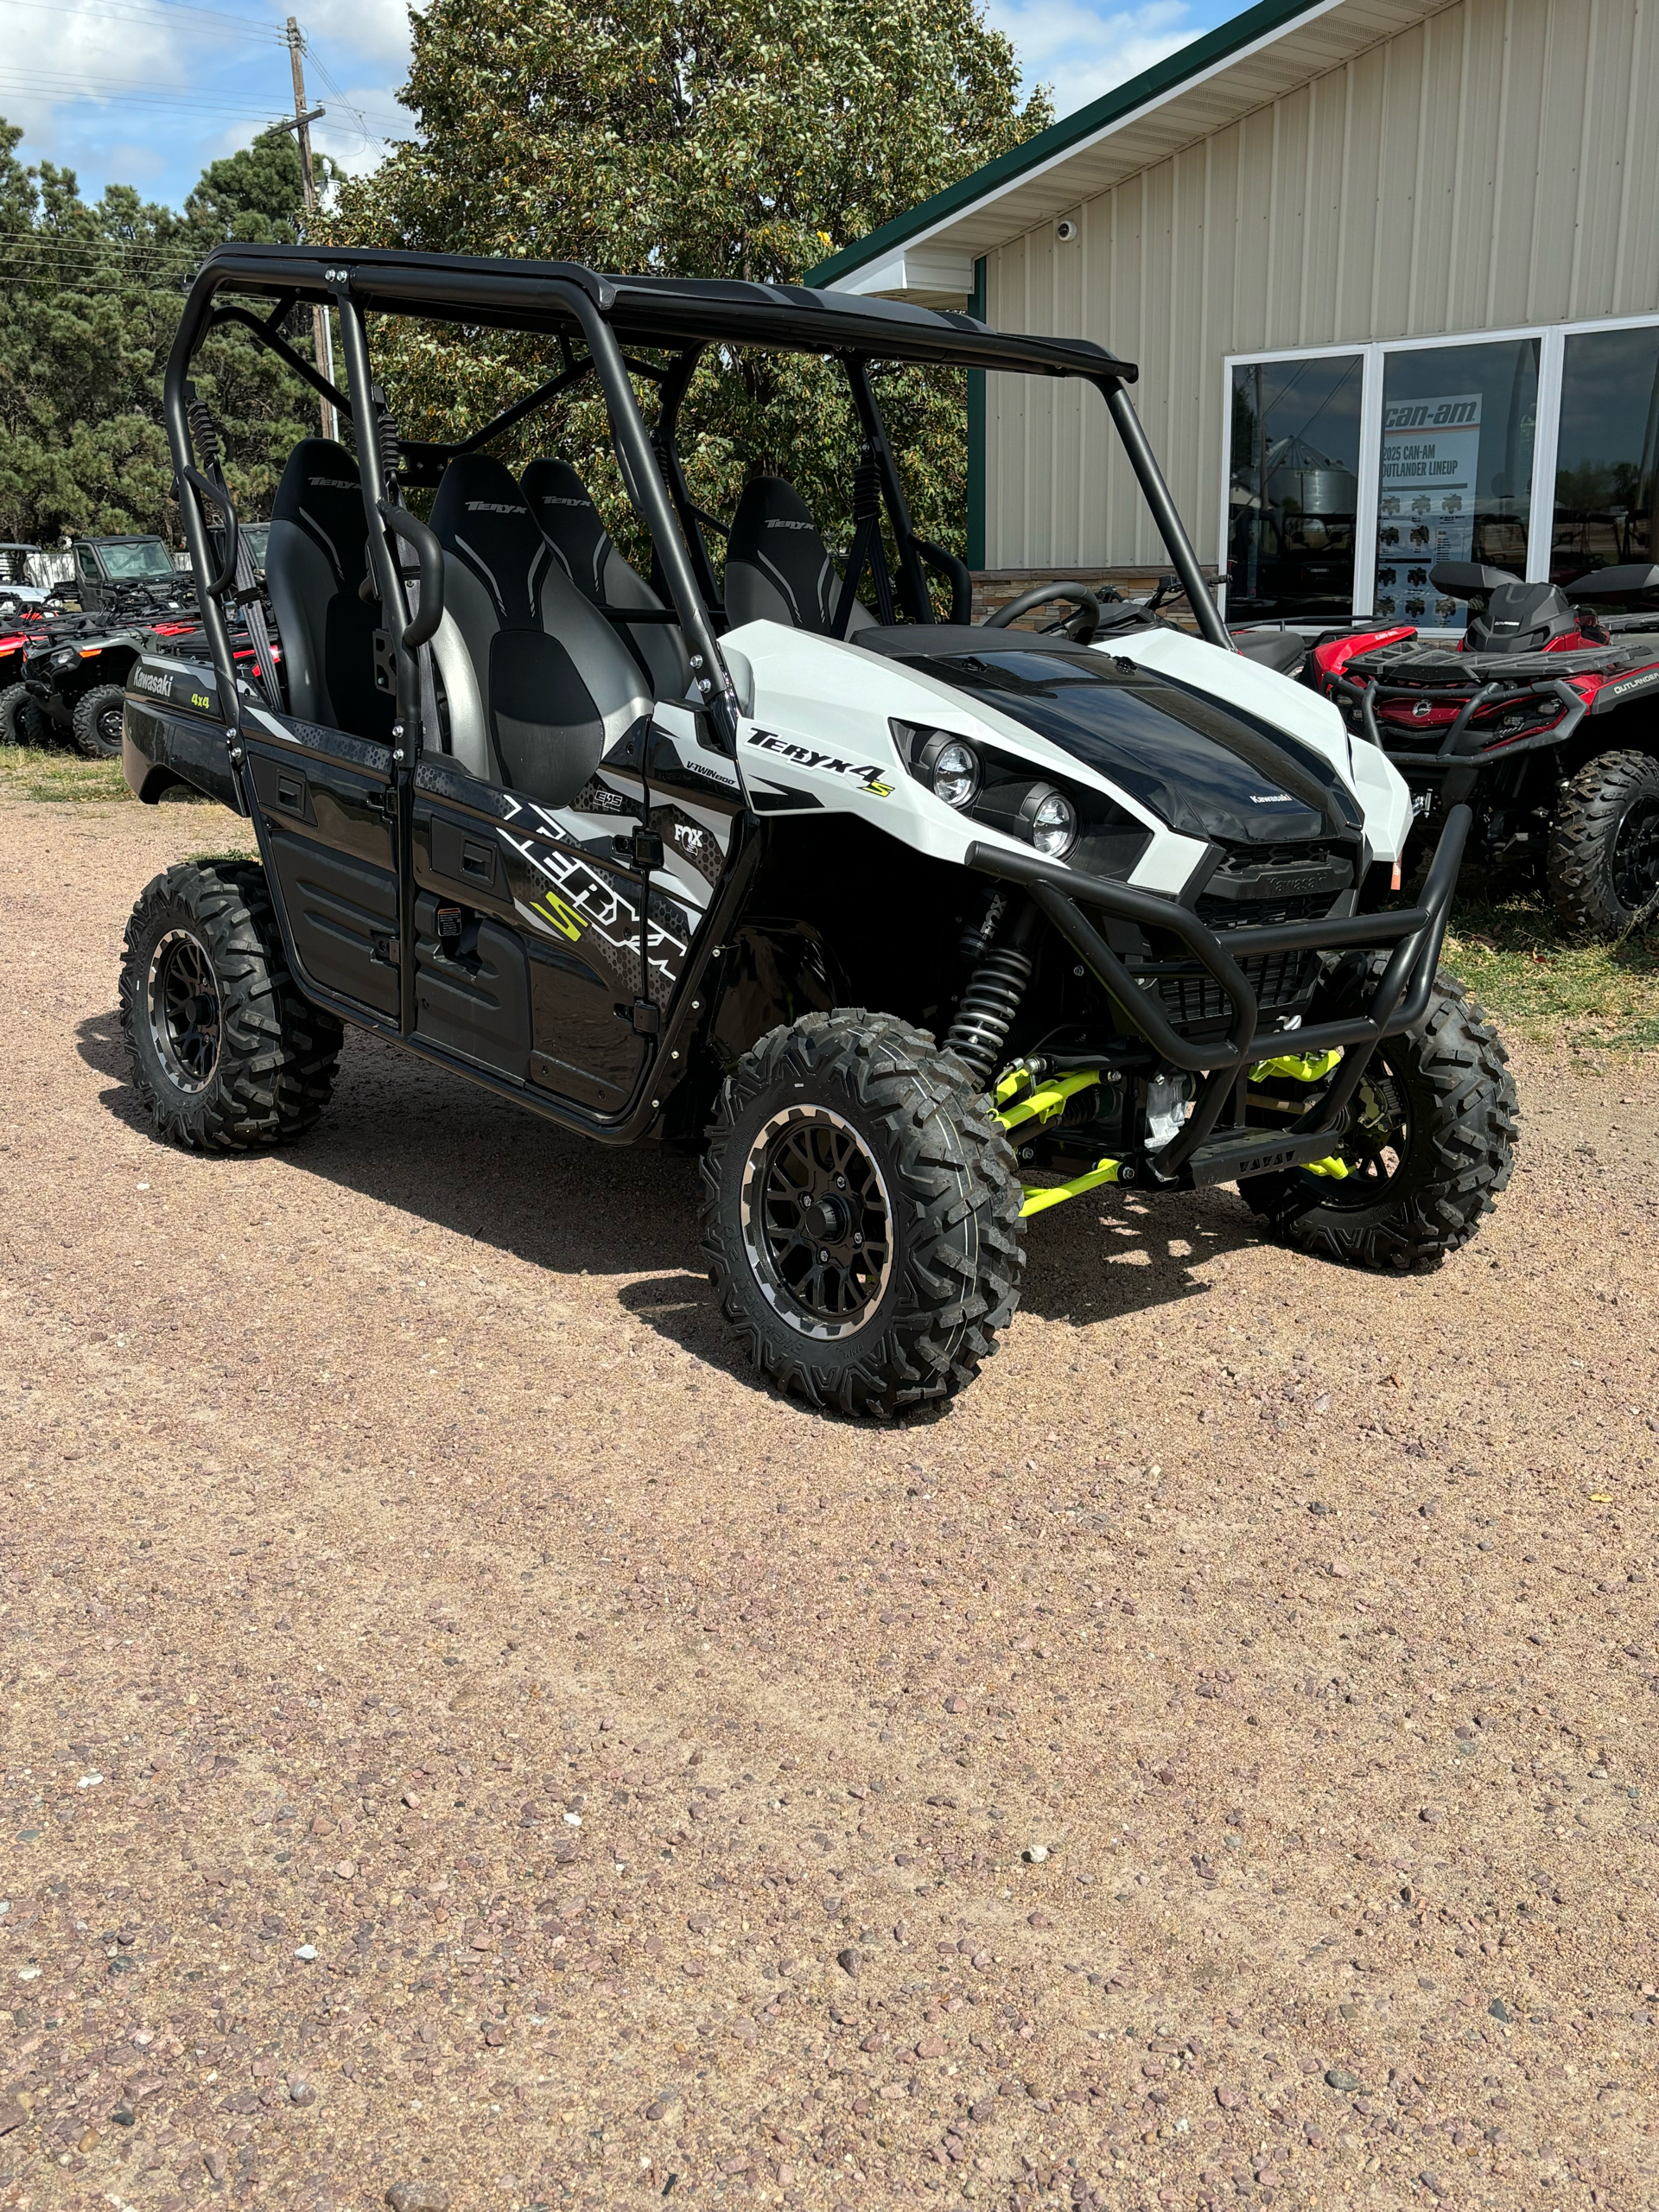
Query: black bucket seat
[556, 687]
[314, 562]
[569, 521]
[777, 567]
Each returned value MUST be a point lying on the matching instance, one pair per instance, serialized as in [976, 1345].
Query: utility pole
[303, 119]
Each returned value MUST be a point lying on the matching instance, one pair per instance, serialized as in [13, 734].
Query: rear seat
[563, 506]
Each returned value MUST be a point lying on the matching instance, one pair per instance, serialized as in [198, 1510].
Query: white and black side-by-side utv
[919, 926]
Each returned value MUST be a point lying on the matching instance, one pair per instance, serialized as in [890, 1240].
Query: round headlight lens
[1054, 825]
[64, 657]
[955, 772]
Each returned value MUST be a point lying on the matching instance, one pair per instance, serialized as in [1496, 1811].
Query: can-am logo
[831, 764]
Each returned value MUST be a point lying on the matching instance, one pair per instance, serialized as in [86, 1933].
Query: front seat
[777, 567]
[569, 521]
[315, 562]
[556, 687]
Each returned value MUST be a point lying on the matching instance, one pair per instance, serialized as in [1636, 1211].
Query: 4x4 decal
[868, 778]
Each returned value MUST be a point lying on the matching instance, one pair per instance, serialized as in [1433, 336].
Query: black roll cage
[682, 316]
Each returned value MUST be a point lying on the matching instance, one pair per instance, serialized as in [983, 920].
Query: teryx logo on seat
[831, 763]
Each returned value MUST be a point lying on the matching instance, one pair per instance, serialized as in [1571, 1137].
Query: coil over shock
[986, 1011]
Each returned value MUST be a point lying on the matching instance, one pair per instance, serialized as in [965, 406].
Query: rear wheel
[1430, 1143]
[225, 1052]
[1604, 845]
[98, 721]
[22, 721]
[861, 1215]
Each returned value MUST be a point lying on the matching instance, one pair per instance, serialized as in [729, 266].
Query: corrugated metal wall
[1498, 164]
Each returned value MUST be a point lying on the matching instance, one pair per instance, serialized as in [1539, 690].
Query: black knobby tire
[1604, 845]
[224, 1051]
[1431, 1145]
[929, 1175]
[22, 721]
[98, 721]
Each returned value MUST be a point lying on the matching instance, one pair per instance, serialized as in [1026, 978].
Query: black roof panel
[650, 310]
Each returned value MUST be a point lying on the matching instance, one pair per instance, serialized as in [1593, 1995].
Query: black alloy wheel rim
[818, 1225]
[109, 729]
[184, 1015]
[1634, 868]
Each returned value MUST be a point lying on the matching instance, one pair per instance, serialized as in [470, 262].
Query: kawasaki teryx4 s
[1541, 719]
[919, 926]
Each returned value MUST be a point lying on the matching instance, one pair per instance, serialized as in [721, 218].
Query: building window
[1294, 488]
[1455, 475]
[1607, 452]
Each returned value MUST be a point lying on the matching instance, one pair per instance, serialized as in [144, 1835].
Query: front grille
[1233, 913]
[1193, 998]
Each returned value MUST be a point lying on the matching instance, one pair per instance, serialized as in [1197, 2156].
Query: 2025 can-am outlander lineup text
[919, 926]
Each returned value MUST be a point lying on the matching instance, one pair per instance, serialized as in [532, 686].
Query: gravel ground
[464, 1734]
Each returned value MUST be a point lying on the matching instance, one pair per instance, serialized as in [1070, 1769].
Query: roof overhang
[927, 254]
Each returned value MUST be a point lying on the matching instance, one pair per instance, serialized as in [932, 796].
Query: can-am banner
[1425, 513]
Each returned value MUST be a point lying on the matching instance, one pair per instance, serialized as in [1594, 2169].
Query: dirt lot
[463, 1733]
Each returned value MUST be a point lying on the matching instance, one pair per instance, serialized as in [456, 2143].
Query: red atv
[1542, 720]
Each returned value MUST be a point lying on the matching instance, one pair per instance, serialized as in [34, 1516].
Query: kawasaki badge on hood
[1207, 770]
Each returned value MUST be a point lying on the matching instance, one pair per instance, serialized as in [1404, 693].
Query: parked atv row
[1541, 720]
[64, 674]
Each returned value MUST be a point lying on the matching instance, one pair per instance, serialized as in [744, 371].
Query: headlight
[1053, 823]
[950, 766]
[65, 657]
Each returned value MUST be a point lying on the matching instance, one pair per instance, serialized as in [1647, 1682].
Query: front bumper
[1412, 935]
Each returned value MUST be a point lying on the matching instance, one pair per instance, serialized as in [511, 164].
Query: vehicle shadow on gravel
[1089, 1262]
[415, 1138]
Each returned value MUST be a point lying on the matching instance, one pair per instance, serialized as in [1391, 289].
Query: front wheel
[1604, 845]
[22, 721]
[225, 1052]
[861, 1215]
[98, 721]
[1430, 1143]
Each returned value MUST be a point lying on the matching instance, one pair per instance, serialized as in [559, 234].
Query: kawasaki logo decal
[831, 764]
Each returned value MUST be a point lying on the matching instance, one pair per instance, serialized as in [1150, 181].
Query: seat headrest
[773, 531]
[569, 521]
[321, 491]
[483, 518]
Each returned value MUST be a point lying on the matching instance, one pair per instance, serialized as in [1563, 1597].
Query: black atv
[1542, 718]
[75, 672]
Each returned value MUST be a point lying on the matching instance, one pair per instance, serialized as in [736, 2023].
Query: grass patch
[29, 772]
[1507, 948]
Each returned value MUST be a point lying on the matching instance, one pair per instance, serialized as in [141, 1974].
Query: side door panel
[539, 974]
[324, 805]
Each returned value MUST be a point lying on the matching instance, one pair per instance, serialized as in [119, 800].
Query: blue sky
[145, 92]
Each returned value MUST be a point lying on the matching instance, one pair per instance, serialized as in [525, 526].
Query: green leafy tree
[713, 138]
[88, 317]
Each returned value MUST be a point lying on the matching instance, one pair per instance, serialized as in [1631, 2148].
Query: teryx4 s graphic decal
[830, 764]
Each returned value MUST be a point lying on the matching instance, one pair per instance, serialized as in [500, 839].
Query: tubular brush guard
[1195, 1155]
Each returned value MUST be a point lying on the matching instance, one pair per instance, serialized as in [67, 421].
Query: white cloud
[1083, 51]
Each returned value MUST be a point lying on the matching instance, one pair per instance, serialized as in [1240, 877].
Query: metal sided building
[1390, 269]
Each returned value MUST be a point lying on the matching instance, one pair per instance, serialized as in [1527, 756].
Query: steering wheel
[1082, 625]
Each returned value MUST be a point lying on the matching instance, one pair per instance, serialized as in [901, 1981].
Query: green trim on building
[976, 435]
[1218, 45]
